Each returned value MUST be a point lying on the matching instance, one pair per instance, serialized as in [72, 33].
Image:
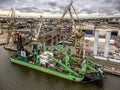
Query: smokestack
[96, 43]
[107, 43]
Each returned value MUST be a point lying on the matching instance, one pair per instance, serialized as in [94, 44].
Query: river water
[16, 77]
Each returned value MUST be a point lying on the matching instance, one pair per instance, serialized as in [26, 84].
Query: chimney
[107, 43]
[96, 43]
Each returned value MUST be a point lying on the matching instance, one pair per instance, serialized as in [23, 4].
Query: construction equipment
[11, 27]
[68, 9]
[39, 26]
[76, 32]
[58, 61]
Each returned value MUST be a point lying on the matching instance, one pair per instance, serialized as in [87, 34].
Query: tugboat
[58, 61]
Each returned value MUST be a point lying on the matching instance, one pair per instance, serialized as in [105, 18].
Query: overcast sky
[56, 7]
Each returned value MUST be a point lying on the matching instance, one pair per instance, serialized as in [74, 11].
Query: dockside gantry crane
[11, 26]
[76, 32]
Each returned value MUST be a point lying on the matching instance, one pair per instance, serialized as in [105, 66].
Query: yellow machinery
[11, 26]
[1, 29]
[76, 32]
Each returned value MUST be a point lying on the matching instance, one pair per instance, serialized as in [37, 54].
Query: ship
[58, 60]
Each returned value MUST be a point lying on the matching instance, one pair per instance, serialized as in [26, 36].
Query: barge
[58, 61]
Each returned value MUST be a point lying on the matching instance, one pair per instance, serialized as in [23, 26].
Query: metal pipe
[107, 43]
[96, 43]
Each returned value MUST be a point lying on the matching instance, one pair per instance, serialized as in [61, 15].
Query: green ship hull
[69, 77]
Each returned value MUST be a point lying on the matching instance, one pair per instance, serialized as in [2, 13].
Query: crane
[39, 27]
[77, 33]
[11, 28]
[68, 9]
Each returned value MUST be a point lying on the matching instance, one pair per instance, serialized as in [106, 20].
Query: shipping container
[88, 31]
[114, 33]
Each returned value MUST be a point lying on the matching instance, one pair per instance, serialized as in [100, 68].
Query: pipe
[110, 59]
[101, 40]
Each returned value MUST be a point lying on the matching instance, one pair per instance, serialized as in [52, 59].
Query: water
[16, 77]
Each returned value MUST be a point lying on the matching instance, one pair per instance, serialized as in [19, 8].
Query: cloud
[29, 9]
[114, 4]
[52, 3]
[1, 7]
[117, 4]
[105, 7]
[7, 1]
[5, 4]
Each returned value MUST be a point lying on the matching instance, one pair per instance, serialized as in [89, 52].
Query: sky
[55, 8]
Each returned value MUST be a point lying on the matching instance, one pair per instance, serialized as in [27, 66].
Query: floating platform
[11, 48]
[57, 60]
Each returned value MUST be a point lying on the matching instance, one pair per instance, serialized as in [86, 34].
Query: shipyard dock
[89, 29]
[109, 67]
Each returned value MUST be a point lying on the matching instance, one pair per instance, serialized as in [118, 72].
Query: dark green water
[16, 77]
